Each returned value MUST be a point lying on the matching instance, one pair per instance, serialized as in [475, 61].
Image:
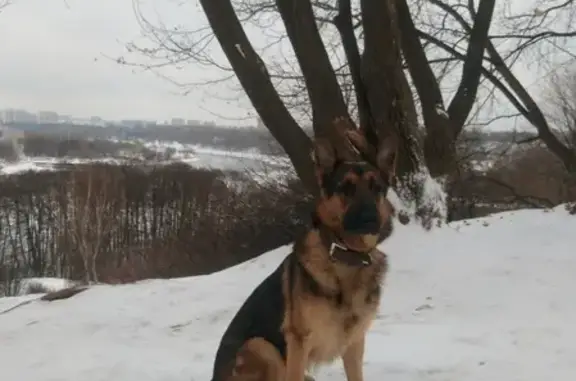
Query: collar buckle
[343, 254]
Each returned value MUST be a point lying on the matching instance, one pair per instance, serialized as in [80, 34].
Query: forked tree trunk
[386, 103]
[392, 108]
[329, 111]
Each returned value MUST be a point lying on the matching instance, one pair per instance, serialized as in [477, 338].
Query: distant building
[81, 121]
[50, 117]
[97, 121]
[65, 119]
[136, 123]
[178, 122]
[18, 116]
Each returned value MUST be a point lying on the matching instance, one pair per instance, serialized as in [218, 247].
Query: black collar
[347, 256]
[338, 251]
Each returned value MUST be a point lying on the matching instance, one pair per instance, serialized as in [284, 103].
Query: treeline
[106, 223]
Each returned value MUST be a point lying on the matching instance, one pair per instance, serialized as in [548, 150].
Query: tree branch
[255, 80]
[328, 104]
[417, 62]
[463, 100]
[529, 107]
[343, 22]
[439, 148]
[487, 73]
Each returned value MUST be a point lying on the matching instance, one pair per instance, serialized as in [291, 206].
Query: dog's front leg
[297, 350]
[353, 358]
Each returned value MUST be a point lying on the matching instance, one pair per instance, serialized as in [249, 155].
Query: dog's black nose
[362, 218]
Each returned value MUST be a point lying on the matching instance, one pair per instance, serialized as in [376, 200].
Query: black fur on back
[261, 315]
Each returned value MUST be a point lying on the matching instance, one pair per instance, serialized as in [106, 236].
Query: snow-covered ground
[191, 154]
[24, 165]
[161, 146]
[478, 300]
[40, 163]
[33, 285]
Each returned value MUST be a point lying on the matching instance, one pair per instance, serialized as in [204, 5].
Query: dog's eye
[347, 188]
[375, 186]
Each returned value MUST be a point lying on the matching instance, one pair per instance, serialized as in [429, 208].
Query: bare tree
[562, 114]
[540, 33]
[92, 215]
[382, 93]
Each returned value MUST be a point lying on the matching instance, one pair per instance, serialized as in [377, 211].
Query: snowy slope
[481, 300]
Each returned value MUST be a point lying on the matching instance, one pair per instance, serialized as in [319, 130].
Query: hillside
[486, 299]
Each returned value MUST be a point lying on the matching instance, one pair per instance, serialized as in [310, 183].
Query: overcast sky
[53, 56]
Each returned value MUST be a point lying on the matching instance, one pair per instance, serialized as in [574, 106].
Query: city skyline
[14, 115]
[60, 56]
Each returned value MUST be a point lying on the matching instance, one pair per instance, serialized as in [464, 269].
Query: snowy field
[191, 154]
[479, 300]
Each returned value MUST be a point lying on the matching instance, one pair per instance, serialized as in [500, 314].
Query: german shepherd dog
[320, 302]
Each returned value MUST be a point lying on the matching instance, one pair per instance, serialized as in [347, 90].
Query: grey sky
[52, 58]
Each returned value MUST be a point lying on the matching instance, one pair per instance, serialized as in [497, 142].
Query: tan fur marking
[258, 360]
[352, 360]
[329, 329]
[298, 349]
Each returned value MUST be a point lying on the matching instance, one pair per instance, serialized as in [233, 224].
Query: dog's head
[352, 202]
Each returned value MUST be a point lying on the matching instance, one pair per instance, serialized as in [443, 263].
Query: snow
[41, 163]
[476, 300]
[432, 199]
[266, 166]
[30, 285]
[19, 166]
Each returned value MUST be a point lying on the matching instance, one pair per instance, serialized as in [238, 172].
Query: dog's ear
[323, 154]
[387, 156]
[358, 140]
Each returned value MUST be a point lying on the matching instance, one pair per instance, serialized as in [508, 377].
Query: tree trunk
[343, 22]
[329, 111]
[255, 79]
[393, 110]
[93, 272]
[443, 126]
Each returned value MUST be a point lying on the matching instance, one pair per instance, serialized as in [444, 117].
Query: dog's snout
[362, 217]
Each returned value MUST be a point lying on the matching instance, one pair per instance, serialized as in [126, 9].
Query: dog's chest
[338, 321]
